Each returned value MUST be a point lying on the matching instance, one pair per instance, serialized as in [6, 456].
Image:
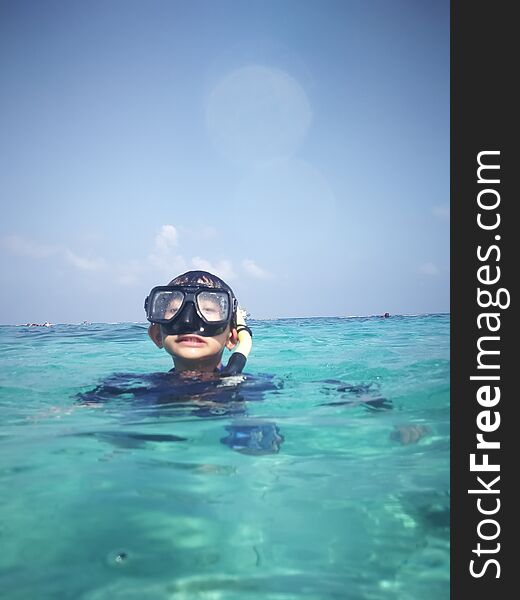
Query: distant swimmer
[386, 315]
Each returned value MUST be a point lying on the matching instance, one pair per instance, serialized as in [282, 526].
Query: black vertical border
[485, 109]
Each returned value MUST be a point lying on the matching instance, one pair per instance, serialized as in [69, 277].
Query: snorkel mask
[198, 309]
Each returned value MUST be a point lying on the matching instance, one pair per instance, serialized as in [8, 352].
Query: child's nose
[189, 315]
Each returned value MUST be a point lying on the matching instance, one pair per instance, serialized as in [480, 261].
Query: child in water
[194, 318]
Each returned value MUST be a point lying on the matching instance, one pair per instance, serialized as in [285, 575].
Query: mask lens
[165, 305]
[213, 306]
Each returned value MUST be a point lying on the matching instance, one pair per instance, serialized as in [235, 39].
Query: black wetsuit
[171, 394]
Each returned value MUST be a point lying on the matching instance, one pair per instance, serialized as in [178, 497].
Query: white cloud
[21, 246]
[442, 212]
[162, 260]
[166, 238]
[254, 270]
[84, 264]
[223, 268]
[429, 268]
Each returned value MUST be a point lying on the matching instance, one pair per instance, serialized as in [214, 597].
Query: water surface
[291, 483]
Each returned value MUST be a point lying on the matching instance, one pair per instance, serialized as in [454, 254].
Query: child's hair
[207, 279]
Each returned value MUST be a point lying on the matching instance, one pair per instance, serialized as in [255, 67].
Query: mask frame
[191, 321]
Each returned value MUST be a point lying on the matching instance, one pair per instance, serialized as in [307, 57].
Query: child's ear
[154, 331]
[232, 340]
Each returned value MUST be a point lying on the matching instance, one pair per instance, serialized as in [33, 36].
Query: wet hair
[200, 278]
[206, 279]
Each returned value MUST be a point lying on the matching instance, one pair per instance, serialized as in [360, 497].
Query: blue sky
[299, 149]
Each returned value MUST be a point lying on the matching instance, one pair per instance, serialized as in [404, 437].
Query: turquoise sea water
[122, 499]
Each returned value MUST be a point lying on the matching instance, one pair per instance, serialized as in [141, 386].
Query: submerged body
[174, 395]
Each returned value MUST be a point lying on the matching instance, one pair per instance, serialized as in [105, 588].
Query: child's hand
[409, 434]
